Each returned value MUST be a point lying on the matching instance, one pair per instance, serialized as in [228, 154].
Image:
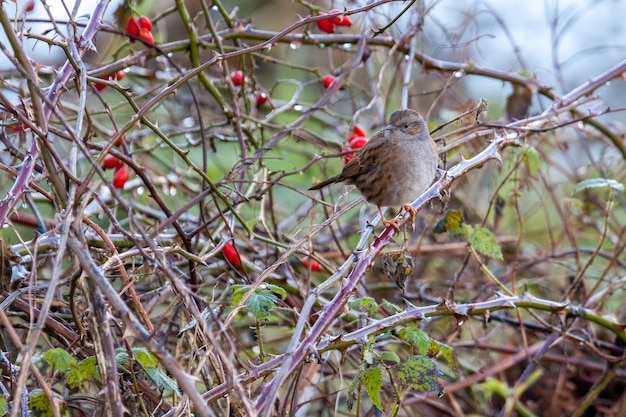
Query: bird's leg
[393, 223]
[412, 212]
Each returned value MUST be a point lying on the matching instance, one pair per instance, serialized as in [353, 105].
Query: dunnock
[395, 166]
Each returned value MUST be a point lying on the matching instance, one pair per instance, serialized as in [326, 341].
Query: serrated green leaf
[261, 303]
[238, 292]
[531, 158]
[599, 183]
[389, 358]
[161, 380]
[353, 390]
[390, 307]
[420, 373]
[37, 401]
[364, 304]
[276, 290]
[74, 378]
[121, 357]
[437, 347]
[88, 368]
[417, 338]
[145, 357]
[373, 382]
[368, 357]
[59, 359]
[485, 242]
[262, 300]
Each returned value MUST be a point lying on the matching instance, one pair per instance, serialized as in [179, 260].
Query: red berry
[358, 131]
[145, 23]
[261, 99]
[326, 25]
[146, 35]
[29, 7]
[328, 80]
[99, 87]
[118, 76]
[358, 142]
[231, 255]
[132, 27]
[111, 162]
[347, 157]
[120, 177]
[337, 19]
[311, 264]
[345, 21]
[236, 77]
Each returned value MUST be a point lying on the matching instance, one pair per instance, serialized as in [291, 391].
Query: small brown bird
[395, 166]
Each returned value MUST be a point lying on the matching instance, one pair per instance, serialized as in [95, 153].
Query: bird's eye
[406, 126]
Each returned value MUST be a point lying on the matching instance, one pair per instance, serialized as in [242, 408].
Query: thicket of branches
[211, 282]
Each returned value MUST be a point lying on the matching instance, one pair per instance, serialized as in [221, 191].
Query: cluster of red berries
[356, 141]
[328, 25]
[140, 27]
[236, 77]
[113, 77]
[121, 174]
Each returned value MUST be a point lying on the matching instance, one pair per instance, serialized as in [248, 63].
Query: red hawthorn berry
[231, 255]
[120, 177]
[345, 21]
[328, 80]
[118, 76]
[146, 35]
[236, 77]
[347, 157]
[326, 25]
[358, 142]
[261, 99]
[111, 162]
[358, 131]
[99, 86]
[337, 19]
[29, 7]
[132, 27]
[145, 23]
[312, 264]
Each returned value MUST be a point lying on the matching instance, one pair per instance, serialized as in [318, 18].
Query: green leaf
[121, 357]
[37, 401]
[74, 378]
[417, 338]
[161, 379]
[145, 357]
[262, 300]
[599, 183]
[353, 389]
[365, 304]
[4, 406]
[389, 358]
[59, 359]
[484, 241]
[261, 303]
[390, 307]
[531, 158]
[373, 381]
[420, 373]
[88, 368]
[437, 347]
